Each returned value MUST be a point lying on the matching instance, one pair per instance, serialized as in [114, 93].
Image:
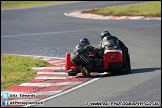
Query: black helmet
[105, 33]
[84, 41]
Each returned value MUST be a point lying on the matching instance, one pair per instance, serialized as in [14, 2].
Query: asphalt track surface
[46, 31]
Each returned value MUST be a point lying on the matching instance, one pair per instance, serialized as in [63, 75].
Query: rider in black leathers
[111, 42]
[80, 56]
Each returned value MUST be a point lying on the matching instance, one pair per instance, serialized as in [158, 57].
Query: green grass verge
[18, 69]
[18, 4]
[140, 9]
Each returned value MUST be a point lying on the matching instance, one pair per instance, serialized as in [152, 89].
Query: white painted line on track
[137, 17]
[52, 59]
[69, 83]
[59, 62]
[50, 84]
[35, 56]
[121, 17]
[54, 68]
[148, 25]
[60, 73]
[47, 57]
[47, 33]
[36, 84]
[50, 77]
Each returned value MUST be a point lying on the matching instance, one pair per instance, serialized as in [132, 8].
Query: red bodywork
[68, 63]
[110, 56]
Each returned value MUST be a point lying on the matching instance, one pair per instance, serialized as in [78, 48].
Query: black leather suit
[80, 56]
[111, 42]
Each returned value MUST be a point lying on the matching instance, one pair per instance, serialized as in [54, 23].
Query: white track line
[36, 84]
[35, 56]
[52, 59]
[48, 33]
[121, 17]
[54, 68]
[52, 73]
[39, 77]
[62, 62]
[138, 17]
[50, 84]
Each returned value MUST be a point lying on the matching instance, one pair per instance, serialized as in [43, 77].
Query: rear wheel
[127, 66]
[115, 68]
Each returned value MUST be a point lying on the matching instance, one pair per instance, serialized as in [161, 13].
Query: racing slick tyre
[115, 68]
[127, 66]
[72, 73]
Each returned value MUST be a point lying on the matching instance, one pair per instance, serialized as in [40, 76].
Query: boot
[86, 70]
[82, 71]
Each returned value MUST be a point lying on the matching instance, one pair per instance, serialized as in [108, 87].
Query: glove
[97, 49]
[116, 47]
[91, 48]
[99, 53]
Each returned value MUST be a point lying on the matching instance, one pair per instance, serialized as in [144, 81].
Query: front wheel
[72, 73]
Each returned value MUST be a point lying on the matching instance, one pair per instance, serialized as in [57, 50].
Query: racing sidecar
[111, 62]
